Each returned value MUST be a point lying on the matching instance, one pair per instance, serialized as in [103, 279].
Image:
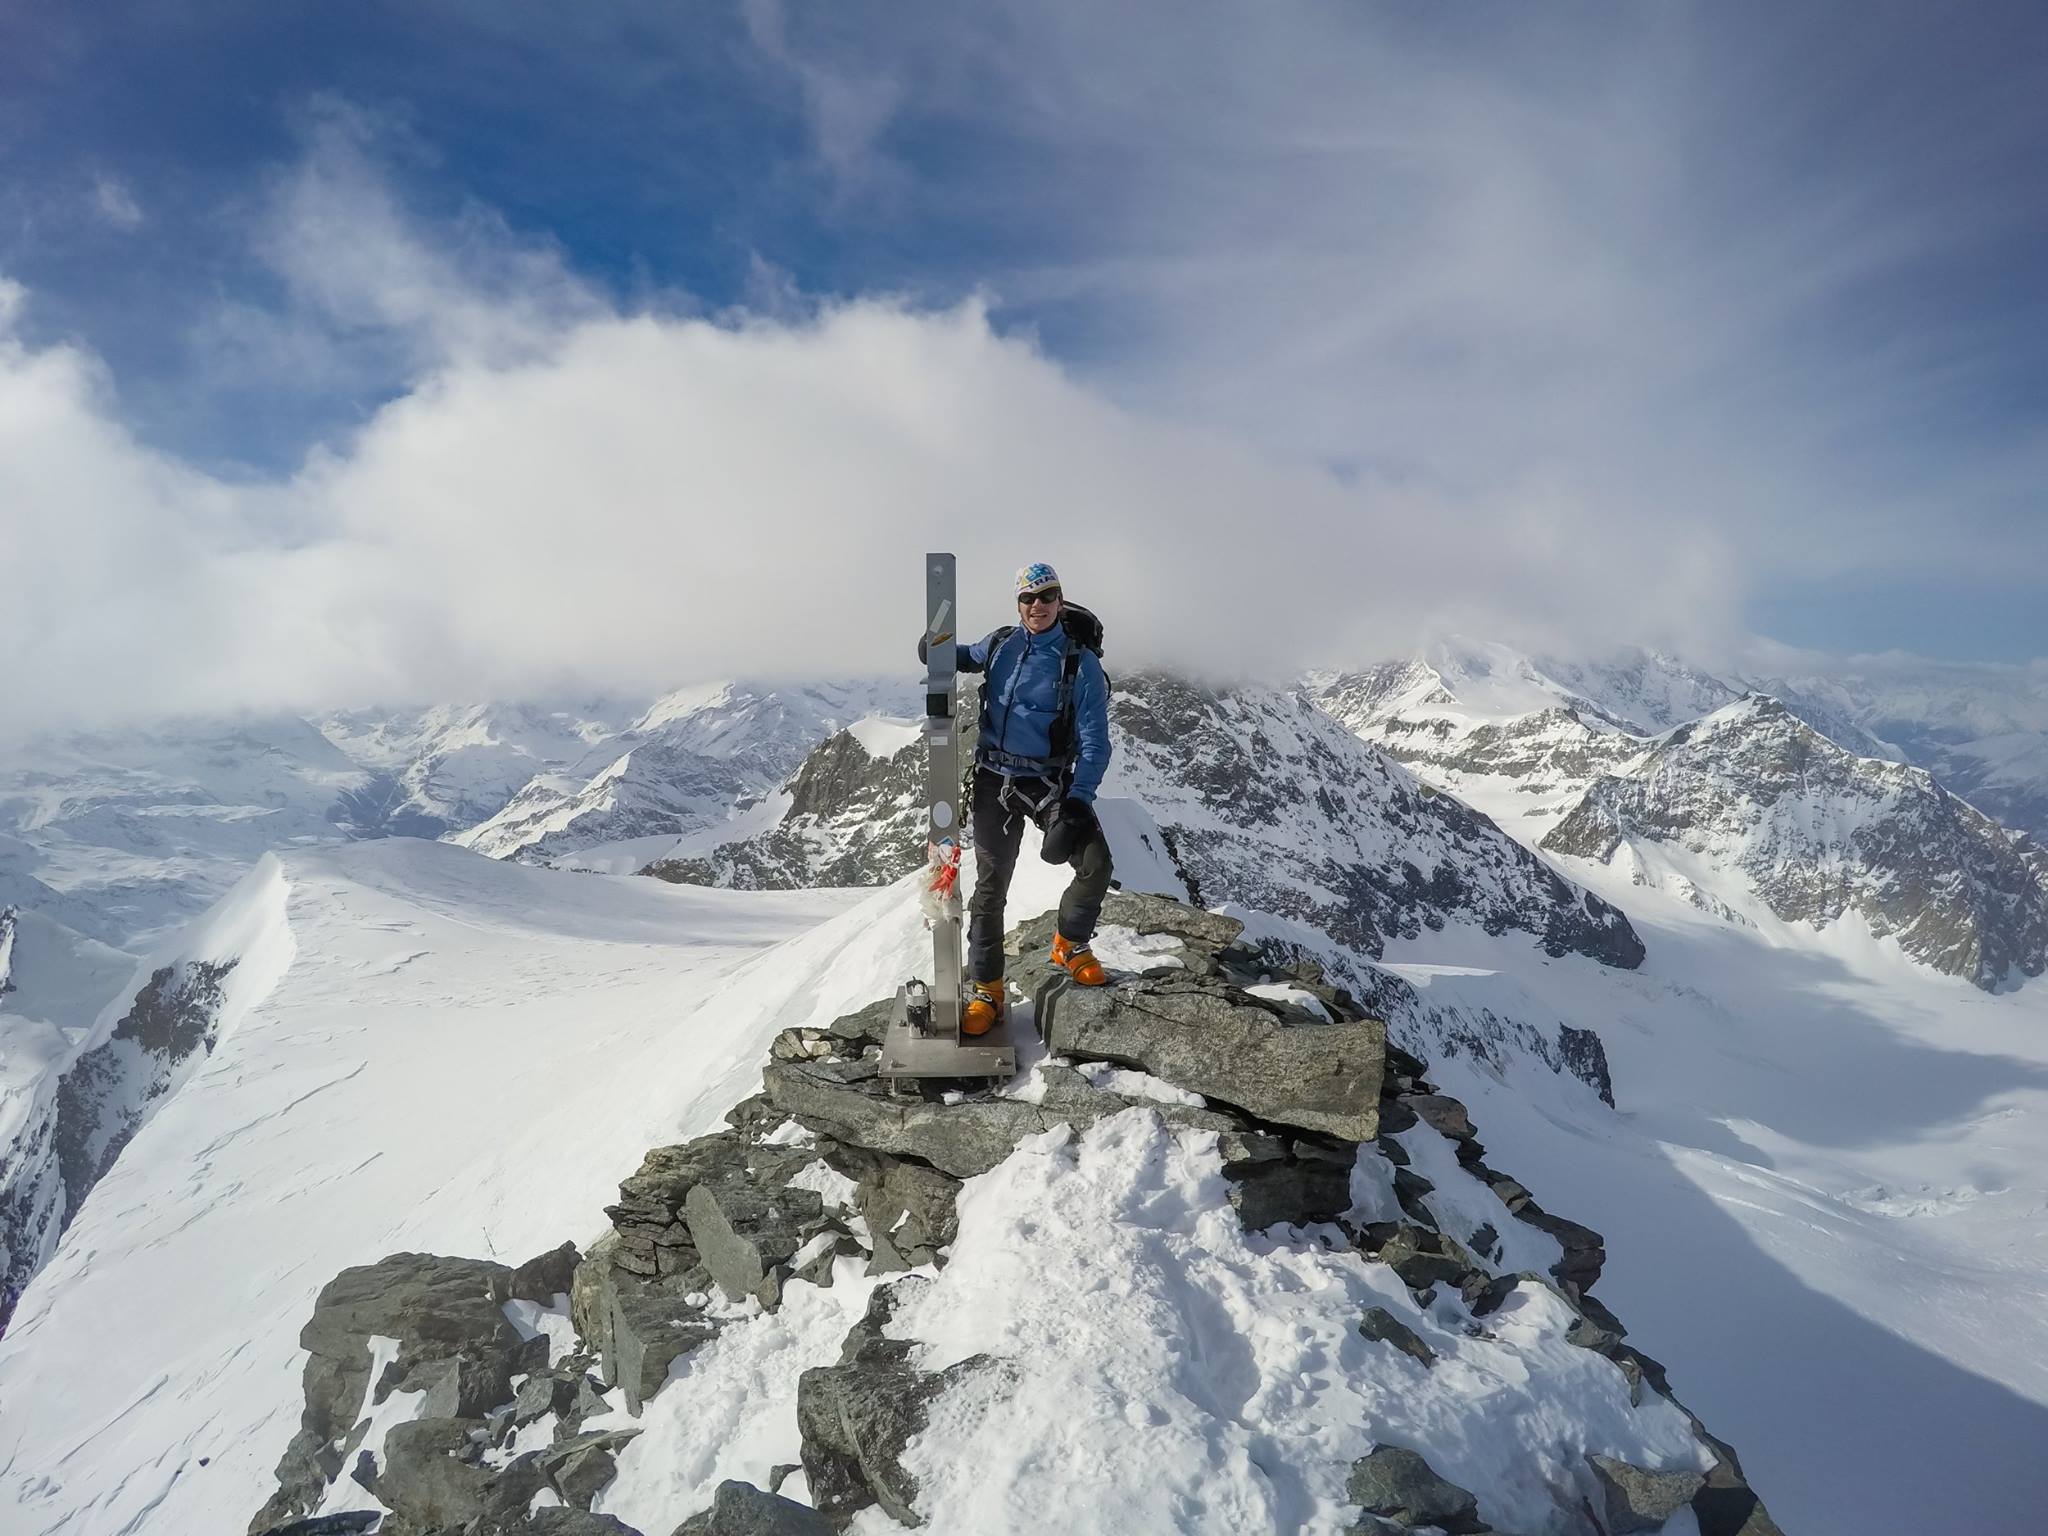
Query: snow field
[459, 1056]
[436, 1051]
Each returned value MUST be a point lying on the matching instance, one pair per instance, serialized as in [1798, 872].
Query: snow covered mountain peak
[1820, 833]
[1269, 802]
[1473, 681]
[450, 766]
[688, 767]
[767, 720]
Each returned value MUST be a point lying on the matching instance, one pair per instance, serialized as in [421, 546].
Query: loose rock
[741, 1509]
[1639, 1499]
[857, 1417]
[1399, 1485]
[1381, 1325]
[544, 1278]
[424, 1477]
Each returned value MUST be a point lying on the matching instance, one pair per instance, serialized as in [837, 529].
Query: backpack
[1084, 632]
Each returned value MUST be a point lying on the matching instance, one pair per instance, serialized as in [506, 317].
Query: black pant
[998, 826]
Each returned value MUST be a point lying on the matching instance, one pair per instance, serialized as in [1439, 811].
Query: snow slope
[462, 1055]
[142, 830]
[1825, 1198]
[68, 1106]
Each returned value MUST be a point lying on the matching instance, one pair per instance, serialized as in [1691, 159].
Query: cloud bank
[567, 495]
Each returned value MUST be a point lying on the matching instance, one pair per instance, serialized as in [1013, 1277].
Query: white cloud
[848, 109]
[115, 203]
[360, 263]
[637, 500]
[1551, 421]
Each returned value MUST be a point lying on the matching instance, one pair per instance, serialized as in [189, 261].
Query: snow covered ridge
[460, 1054]
[1981, 729]
[126, 835]
[1820, 833]
[1098, 1300]
[449, 767]
[64, 1127]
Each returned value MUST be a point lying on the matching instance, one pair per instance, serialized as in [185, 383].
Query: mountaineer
[1043, 749]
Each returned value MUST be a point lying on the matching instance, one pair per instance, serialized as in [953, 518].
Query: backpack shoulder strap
[1063, 734]
[997, 639]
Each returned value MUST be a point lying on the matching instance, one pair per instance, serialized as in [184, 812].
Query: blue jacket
[1022, 699]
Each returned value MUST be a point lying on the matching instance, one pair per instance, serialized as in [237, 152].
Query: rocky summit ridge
[452, 1395]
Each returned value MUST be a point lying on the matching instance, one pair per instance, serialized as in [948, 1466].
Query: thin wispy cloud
[115, 203]
[569, 494]
[1616, 267]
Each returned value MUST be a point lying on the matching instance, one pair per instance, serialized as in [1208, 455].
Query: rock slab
[1225, 1044]
[741, 1509]
[1399, 1485]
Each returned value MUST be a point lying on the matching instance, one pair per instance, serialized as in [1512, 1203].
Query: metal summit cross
[924, 1038]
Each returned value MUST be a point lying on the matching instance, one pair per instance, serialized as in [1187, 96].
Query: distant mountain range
[1748, 800]
[1346, 820]
[1457, 839]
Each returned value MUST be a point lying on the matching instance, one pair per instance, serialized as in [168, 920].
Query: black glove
[921, 647]
[1071, 825]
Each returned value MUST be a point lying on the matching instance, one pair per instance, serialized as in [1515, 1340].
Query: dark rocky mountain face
[1263, 801]
[853, 819]
[1981, 730]
[1268, 802]
[1819, 833]
[71, 1138]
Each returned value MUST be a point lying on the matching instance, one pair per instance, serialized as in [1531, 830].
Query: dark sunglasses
[1048, 595]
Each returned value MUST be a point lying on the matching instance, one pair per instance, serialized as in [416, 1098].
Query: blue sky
[1738, 308]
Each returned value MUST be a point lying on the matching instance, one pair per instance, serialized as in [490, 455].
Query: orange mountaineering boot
[1078, 961]
[984, 1008]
